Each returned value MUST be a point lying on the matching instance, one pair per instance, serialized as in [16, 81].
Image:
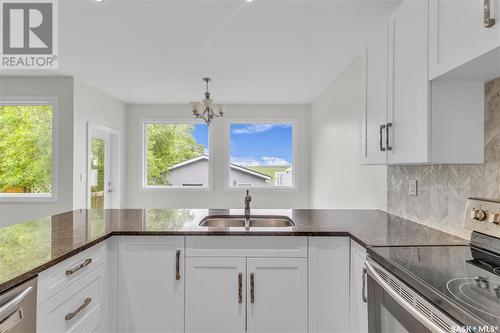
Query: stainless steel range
[439, 288]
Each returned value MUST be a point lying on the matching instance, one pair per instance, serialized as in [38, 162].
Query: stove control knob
[478, 214]
[494, 218]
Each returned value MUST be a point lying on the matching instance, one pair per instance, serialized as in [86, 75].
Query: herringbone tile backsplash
[443, 189]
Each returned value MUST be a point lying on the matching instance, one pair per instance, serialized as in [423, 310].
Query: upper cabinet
[460, 31]
[374, 126]
[408, 115]
[409, 119]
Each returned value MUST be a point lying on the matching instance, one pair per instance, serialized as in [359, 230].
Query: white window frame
[229, 187]
[167, 121]
[36, 100]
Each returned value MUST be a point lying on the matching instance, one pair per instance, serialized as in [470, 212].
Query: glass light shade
[195, 105]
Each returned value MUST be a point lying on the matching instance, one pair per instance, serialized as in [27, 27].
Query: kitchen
[200, 166]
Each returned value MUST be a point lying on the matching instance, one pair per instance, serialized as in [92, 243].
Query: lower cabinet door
[358, 302]
[277, 295]
[151, 284]
[215, 295]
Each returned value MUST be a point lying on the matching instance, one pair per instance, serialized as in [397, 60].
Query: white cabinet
[252, 284]
[215, 294]
[426, 122]
[71, 294]
[328, 284]
[151, 284]
[409, 107]
[277, 289]
[458, 34]
[374, 117]
[358, 305]
[75, 309]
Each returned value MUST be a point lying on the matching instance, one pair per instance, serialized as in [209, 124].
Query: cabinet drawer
[75, 309]
[246, 246]
[60, 276]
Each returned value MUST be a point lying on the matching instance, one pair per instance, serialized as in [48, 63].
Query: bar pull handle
[252, 288]
[387, 133]
[364, 298]
[240, 288]
[382, 127]
[488, 20]
[178, 264]
[85, 263]
[72, 315]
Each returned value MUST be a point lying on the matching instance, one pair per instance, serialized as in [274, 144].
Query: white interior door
[102, 167]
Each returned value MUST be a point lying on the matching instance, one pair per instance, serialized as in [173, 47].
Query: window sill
[176, 189]
[25, 197]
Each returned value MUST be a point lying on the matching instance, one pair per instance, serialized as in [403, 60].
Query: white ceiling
[260, 52]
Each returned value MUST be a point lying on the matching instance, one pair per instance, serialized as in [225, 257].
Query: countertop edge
[34, 271]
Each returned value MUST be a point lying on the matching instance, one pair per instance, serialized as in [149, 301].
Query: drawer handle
[252, 288]
[178, 264]
[77, 268]
[240, 288]
[72, 315]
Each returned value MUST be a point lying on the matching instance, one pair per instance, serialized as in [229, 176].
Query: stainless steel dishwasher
[18, 309]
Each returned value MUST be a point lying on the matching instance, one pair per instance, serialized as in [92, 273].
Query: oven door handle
[405, 304]
[11, 305]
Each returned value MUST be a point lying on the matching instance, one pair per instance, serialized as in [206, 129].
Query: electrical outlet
[412, 187]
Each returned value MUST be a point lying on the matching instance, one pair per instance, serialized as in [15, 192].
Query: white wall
[218, 197]
[62, 88]
[338, 180]
[94, 106]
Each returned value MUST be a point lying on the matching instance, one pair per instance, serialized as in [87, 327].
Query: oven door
[393, 307]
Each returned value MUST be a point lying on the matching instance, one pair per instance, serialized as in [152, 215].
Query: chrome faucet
[248, 198]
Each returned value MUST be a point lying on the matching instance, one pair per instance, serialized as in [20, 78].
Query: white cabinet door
[358, 306]
[215, 294]
[277, 295]
[328, 284]
[374, 117]
[150, 287]
[457, 33]
[408, 83]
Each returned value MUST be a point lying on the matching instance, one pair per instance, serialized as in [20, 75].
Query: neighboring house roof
[233, 166]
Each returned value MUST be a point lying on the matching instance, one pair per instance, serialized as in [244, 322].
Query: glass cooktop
[464, 281]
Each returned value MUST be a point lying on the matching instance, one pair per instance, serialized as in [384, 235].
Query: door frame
[113, 155]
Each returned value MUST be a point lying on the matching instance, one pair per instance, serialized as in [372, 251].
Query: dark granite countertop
[29, 248]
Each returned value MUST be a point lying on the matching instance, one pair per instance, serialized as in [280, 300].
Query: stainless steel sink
[231, 221]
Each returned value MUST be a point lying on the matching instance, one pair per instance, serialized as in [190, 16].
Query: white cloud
[262, 161]
[274, 161]
[246, 161]
[256, 128]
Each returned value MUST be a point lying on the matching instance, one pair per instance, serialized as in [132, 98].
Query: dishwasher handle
[11, 305]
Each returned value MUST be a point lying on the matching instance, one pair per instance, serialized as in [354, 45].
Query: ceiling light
[207, 106]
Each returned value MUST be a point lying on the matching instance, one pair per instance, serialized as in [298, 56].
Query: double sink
[236, 221]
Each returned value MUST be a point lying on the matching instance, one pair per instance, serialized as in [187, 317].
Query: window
[176, 155]
[261, 155]
[26, 150]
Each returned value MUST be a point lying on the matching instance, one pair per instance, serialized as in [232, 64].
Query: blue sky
[256, 144]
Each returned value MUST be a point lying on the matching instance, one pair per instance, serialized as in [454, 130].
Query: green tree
[169, 144]
[25, 148]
